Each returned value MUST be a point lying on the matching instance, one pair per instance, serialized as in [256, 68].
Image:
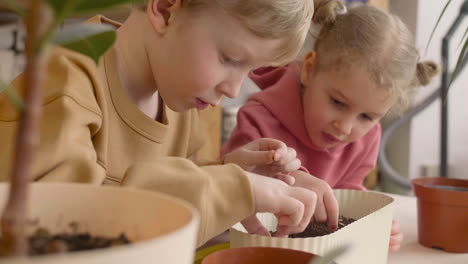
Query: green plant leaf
[87, 6]
[11, 95]
[92, 40]
[461, 57]
[63, 8]
[437, 24]
[15, 7]
[93, 5]
[463, 38]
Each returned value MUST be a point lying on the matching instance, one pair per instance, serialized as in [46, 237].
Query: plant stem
[14, 217]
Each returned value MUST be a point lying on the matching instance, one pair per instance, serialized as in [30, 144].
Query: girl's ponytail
[326, 11]
[425, 71]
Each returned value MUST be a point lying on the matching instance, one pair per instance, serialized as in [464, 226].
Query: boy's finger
[252, 158]
[288, 179]
[253, 226]
[308, 200]
[282, 231]
[291, 211]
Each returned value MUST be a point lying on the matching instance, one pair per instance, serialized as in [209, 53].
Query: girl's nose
[343, 126]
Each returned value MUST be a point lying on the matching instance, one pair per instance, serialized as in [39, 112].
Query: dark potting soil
[315, 229]
[42, 242]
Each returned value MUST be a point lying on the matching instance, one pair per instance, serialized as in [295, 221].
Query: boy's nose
[230, 89]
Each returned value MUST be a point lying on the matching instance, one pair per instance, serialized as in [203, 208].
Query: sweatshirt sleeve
[208, 188]
[65, 151]
[221, 193]
[354, 180]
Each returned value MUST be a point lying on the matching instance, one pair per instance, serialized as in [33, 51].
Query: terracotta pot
[442, 214]
[162, 229]
[258, 255]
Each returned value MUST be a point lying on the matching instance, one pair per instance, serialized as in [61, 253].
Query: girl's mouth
[330, 139]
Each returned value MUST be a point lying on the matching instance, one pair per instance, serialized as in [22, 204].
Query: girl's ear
[160, 13]
[308, 67]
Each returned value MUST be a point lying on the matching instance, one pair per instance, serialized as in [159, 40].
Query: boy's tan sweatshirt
[91, 132]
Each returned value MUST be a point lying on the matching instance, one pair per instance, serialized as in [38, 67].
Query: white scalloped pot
[368, 236]
[163, 229]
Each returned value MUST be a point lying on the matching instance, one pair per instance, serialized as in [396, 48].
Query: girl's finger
[395, 227]
[320, 214]
[287, 155]
[332, 208]
[396, 239]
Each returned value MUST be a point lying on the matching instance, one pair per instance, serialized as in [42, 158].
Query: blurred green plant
[11, 95]
[463, 43]
[42, 20]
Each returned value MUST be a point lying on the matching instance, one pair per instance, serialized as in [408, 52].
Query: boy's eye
[228, 60]
[337, 102]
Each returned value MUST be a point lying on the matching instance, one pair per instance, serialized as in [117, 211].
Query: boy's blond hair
[369, 37]
[269, 19]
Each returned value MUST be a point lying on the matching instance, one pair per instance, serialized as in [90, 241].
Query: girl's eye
[367, 117]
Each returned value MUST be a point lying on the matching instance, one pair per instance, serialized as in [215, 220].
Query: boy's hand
[254, 226]
[265, 156]
[326, 209]
[396, 237]
[293, 206]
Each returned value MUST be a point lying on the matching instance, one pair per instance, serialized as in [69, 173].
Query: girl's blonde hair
[369, 37]
[271, 19]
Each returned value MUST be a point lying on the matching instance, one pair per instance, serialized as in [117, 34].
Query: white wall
[425, 128]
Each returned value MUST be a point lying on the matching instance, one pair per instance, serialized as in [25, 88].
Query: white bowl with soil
[368, 235]
[162, 229]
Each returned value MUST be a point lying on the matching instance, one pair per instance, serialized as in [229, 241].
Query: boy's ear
[160, 13]
[308, 67]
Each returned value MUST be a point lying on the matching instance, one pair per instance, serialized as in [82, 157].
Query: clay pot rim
[241, 250]
[426, 193]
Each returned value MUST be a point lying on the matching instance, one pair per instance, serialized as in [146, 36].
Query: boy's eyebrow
[248, 54]
[339, 93]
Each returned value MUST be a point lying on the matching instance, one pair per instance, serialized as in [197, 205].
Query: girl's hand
[265, 156]
[396, 237]
[327, 206]
[293, 206]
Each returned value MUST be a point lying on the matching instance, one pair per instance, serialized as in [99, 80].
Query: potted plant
[156, 224]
